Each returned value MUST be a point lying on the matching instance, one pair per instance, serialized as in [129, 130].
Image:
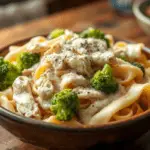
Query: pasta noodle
[40, 70]
[124, 114]
[72, 123]
[129, 98]
[72, 61]
[127, 73]
[4, 102]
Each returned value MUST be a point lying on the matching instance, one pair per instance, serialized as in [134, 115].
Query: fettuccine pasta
[76, 79]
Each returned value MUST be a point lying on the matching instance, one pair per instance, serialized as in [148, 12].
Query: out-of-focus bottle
[122, 6]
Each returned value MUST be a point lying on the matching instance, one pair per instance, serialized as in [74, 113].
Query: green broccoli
[103, 80]
[123, 57]
[136, 64]
[26, 60]
[56, 33]
[3, 68]
[94, 33]
[8, 73]
[65, 104]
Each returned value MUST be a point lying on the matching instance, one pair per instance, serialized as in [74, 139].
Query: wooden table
[98, 14]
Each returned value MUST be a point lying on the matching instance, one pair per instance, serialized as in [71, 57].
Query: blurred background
[18, 11]
[112, 16]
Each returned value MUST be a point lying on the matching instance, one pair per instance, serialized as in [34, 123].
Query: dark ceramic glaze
[53, 136]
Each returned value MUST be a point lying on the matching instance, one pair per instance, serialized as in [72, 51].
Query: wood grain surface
[98, 14]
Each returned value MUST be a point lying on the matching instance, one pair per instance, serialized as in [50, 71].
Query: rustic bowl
[142, 19]
[53, 136]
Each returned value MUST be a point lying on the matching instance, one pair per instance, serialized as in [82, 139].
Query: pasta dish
[76, 79]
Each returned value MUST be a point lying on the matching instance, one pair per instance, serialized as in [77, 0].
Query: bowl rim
[137, 12]
[33, 122]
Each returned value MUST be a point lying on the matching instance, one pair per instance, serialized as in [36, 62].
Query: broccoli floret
[26, 60]
[65, 104]
[8, 73]
[122, 57]
[12, 74]
[3, 68]
[56, 33]
[94, 33]
[103, 80]
[136, 64]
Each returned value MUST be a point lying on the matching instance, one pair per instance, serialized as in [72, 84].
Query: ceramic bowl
[53, 136]
[143, 20]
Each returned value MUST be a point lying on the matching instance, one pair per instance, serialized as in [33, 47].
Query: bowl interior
[21, 119]
[145, 8]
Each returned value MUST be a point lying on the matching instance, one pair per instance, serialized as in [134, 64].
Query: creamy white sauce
[98, 105]
[76, 56]
[44, 88]
[24, 99]
[70, 62]
[86, 46]
[131, 51]
[88, 93]
[45, 104]
[102, 58]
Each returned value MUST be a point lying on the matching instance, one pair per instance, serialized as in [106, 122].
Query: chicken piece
[44, 87]
[66, 60]
[25, 103]
[88, 93]
[56, 60]
[80, 63]
[44, 104]
[100, 59]
[71, 80]
[85, 46]
[50, 74]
